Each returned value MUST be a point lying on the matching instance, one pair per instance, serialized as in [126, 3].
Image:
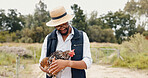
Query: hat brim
[62, 20]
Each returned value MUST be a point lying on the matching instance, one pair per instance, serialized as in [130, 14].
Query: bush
[11, 37]
[134, 52]
[29, 40]
[139, 61]
[146, 34]
[137, 43]
[22, 40]
[25, 40]
[96, 34]
[3, 36]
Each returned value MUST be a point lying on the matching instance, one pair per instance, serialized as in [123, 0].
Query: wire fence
[103, 55]
[99, 55]
[18, 64]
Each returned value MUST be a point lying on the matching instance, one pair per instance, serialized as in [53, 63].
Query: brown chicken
[45, 63]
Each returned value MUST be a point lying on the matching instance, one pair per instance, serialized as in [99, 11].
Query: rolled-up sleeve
[86, 51]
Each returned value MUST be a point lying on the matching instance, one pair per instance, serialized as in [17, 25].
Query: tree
[139, 9]
[29, 20]
[11, 21]
[93, 18]
[41, 15]
[95, 33]
[123, 24]
[79, 21]
[35, 28]
[3, 18]
[14, 21]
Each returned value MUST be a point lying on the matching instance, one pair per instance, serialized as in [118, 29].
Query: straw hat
[59, 16]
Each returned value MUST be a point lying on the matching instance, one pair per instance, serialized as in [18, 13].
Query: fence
[104, 54]
[18, 69]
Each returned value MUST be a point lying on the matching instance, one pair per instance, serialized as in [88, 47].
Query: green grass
[7, 58]
[93, 54]
[7, 64]
[36, 51]
[138, 61]
[134, 53]
[101, 56]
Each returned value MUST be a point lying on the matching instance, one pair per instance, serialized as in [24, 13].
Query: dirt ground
[96, 71]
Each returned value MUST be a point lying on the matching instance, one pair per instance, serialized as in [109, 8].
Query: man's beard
[66, 31]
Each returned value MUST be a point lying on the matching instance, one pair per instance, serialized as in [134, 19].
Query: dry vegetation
[134, 53]
[29, 54]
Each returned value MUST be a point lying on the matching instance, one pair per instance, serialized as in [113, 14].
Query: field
[21, 60]
[27, 54]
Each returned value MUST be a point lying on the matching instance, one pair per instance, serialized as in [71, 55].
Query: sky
[26, 7]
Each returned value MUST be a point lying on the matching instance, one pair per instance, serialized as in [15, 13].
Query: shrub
[96, 34]
[3, 36]
[26, 40]
[137, 43]
[134, 52]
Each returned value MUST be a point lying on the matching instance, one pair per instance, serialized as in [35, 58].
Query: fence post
[17, 66]
[118, 53]
[120, 57]
[96, 56]
[34, 55]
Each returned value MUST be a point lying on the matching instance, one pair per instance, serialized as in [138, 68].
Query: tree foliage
[35, 29]
[15, 20]
[110, 27]
[41, 14]
[123, 24]
[79, 21]
[93, 18]
[3, 20]
[96, 34]
[11, 21]
[28, 28]
[137, 7]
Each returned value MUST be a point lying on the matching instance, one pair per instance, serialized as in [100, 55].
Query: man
[65, 37]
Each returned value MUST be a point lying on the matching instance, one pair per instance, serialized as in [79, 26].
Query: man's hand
[43, 69]
[58, 65]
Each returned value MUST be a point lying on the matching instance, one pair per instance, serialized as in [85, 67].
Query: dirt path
[96, 71]
[32, 71]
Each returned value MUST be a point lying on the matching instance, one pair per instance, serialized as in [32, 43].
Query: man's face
[63, 28]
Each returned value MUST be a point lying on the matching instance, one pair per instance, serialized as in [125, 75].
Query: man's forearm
[77, 64]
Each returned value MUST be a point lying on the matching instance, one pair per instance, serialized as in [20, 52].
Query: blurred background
[117, 30]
